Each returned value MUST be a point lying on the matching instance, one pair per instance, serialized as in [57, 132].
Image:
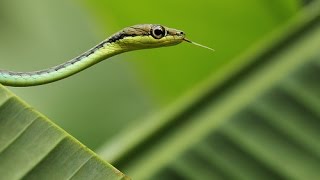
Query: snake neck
[96, 54]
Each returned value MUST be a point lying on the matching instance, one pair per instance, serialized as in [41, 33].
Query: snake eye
[158, 32]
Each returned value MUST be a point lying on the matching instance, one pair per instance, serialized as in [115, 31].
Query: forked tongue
[197, 44]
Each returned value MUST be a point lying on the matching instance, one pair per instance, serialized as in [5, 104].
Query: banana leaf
[33, 147]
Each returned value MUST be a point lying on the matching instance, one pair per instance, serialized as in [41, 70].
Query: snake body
[135, 37]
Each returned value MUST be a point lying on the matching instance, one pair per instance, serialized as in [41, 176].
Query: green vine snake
[142, 36]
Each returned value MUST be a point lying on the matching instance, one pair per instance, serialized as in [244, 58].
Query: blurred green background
[100, 103]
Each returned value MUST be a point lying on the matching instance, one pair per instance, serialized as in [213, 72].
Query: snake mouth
[187, 40]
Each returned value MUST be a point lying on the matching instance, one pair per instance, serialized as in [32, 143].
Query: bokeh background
[124, 105]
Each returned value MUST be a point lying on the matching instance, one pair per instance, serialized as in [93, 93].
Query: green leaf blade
[32, 147]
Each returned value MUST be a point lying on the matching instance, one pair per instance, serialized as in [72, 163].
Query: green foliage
[256, 121]
[222, 115]
[32, 147]
[40, 34]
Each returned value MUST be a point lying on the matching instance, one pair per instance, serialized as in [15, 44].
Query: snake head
[145, 36]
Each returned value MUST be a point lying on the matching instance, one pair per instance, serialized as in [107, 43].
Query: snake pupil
[158, 32]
